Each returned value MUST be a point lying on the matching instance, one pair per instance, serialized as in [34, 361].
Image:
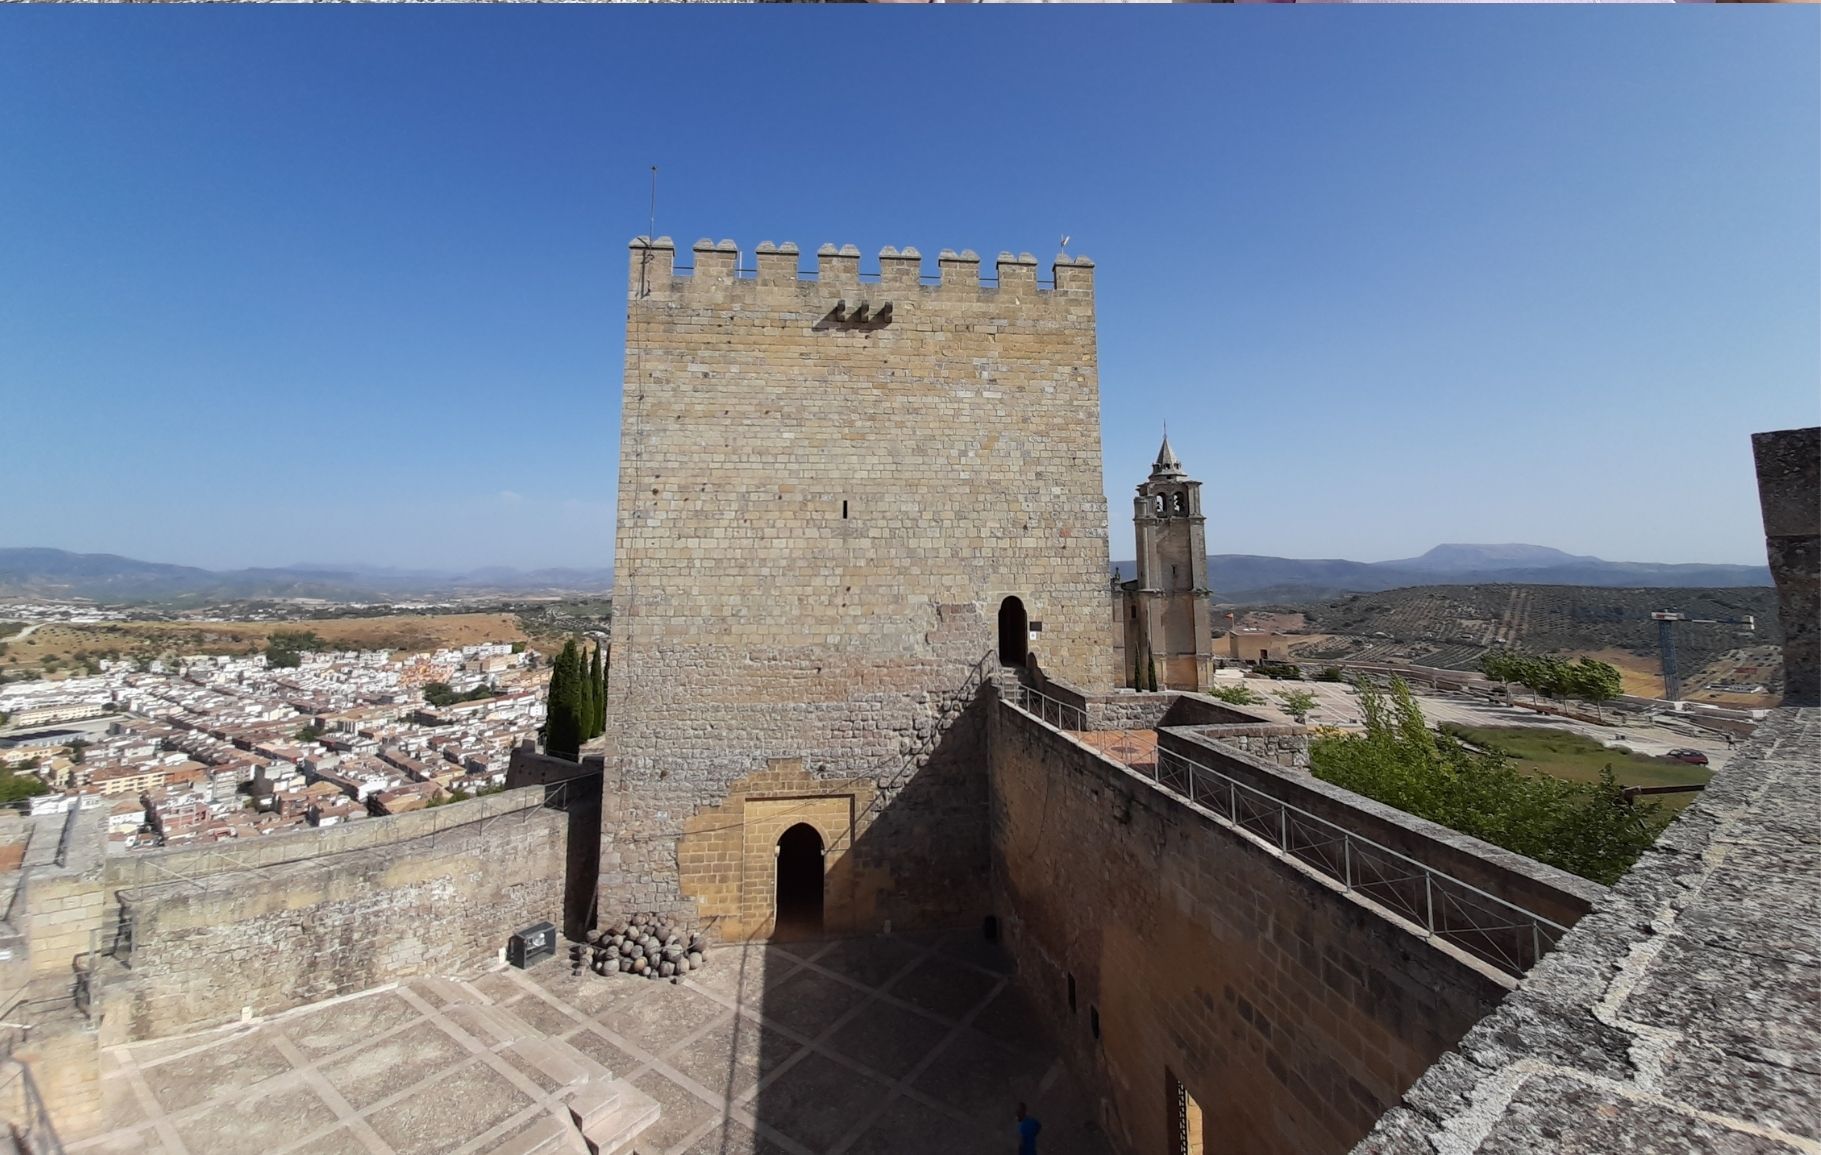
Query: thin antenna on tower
[651, 238]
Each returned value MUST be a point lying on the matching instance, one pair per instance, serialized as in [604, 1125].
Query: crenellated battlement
[654, 269]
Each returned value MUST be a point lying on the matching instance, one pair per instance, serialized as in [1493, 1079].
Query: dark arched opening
[799, 881]
[1014, 632]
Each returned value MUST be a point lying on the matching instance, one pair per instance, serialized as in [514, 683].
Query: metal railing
[31, 1128]
[1500, 933]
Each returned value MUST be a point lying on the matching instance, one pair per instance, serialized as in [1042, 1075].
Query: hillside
[1452, 625]
[106, 577]
[1247, 579]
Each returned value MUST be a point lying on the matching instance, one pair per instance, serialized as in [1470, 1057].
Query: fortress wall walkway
[1174, 948]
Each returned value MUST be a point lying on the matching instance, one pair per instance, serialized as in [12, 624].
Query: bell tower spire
[1165, 611]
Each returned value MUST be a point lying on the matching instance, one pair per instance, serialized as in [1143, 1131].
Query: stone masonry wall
[1279, 745]
[290, 933]
[1681, 1014]
[1789, 494]
[1292, 1013]
[820, 516]
[1536, 886]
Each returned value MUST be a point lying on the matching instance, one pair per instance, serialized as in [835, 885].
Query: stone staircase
[591, 1113]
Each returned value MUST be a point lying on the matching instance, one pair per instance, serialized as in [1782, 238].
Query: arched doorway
[1014, 632]
[799, 881]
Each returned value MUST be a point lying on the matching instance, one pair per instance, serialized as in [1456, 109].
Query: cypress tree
[563, 713]
[587, 695]
[597, 697]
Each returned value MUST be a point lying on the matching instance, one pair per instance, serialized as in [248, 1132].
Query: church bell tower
[1167, 636]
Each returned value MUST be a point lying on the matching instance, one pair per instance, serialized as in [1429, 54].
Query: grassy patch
[1578, 758]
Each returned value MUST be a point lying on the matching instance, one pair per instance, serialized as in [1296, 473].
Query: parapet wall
[654, 270]
[1538, 887]
[207, 939]
[1293, 1014]
[1681, 1014]
[1789, 479]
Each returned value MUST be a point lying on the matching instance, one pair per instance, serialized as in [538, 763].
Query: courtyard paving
[864, 1045]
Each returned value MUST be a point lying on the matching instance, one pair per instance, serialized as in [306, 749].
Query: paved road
[1338, 705]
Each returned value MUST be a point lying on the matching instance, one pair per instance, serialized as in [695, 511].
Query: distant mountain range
[1235, 577]
[1249, 578]
[56, 573]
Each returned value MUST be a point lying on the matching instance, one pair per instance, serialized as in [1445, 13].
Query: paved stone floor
[865, 1045]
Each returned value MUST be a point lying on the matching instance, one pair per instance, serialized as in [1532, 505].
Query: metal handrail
[34, 1134]
[1446, 909]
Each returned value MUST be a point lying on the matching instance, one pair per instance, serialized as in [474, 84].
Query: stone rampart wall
[1293, 1013]
[1681, 1014]
[1789, 477]
[1555, 894]
[1286, 746]
[438, 895]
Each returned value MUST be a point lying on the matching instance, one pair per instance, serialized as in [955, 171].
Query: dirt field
[405, 632]
[1643, 676]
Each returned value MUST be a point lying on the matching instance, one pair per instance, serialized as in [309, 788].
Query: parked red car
[1692, 757]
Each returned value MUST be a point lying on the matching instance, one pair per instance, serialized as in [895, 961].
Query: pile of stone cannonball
[646, 946]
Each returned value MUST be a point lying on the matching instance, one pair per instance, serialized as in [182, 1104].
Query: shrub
[1237, 695]
[1296, 703]
[1588, 829]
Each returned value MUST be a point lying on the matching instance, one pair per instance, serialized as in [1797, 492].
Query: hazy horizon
[458, 569]
[352, 287]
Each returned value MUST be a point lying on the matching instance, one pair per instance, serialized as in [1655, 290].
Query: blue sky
[347, 285]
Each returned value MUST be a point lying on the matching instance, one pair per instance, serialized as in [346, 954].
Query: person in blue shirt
[1027, 1132]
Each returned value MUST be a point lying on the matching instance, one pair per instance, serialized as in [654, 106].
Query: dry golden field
[1643, 675]
[403, 632]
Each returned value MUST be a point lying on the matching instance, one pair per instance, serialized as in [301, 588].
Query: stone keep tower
[843, 499]
[1166, 605]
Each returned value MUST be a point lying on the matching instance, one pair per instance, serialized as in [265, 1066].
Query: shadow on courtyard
[813, 1041]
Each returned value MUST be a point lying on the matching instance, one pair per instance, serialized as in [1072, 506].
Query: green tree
[597, 694]
[1150, 672]
[1240, 695]
[1586, 828]
[14, 786]
[591, 687]
[78, 750]
[1296, 703]
[563, 719]
[1596, 683]
[1497, 664]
